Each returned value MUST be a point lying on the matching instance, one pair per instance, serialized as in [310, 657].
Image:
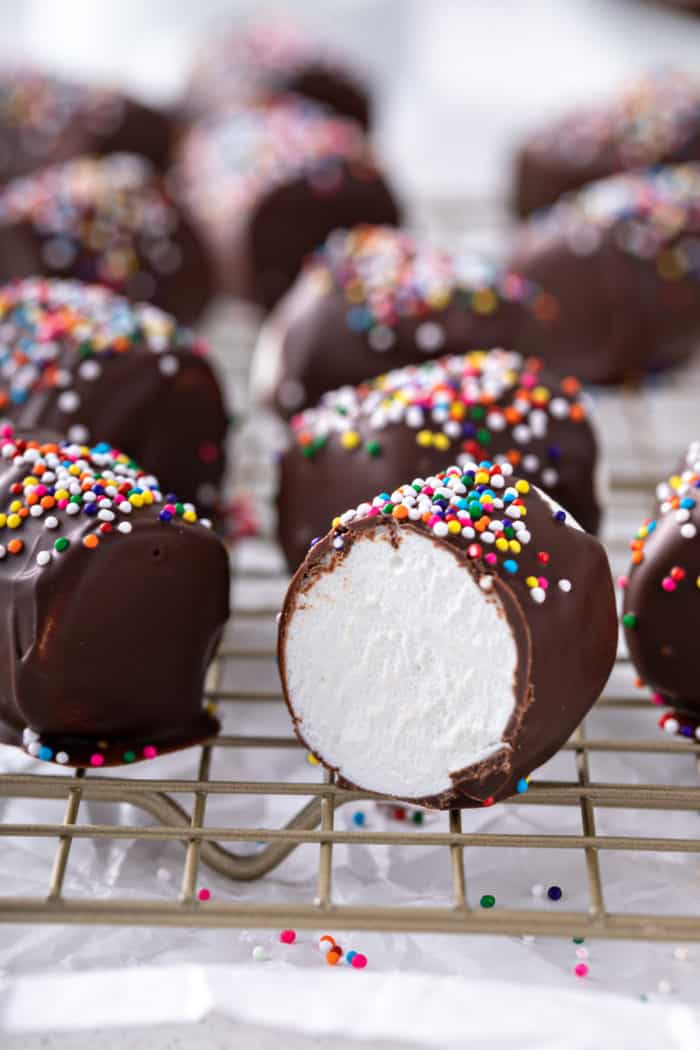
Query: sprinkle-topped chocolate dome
[461, 408]
[85, 362]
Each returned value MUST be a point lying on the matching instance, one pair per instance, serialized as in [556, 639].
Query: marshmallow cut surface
[400, 667]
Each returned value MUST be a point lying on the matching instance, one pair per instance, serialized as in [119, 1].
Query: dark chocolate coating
[163, 406]
[315, 348]
[258, 242]
[662, 640]
[592, 143]
[238, 65]
[106, 221]
[619, 316]
[47, 120]
[312, 488]
[105, 650]
[566, 645]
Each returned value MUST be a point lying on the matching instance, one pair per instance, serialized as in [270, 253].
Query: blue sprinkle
[359, 819]
[359, 319]
[687, 503]
[90, 509]
[166, 515]
[462, 504]
[554, 893]
[560, 515]
[349, 957]
[510, 565]
[651, 526]
[45, 754]
[522, 786]
[686, 730]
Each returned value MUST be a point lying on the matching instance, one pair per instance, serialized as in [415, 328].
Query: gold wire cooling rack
[177, 810]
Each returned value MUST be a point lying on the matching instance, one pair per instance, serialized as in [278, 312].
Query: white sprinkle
[440, 528]
[688, 531]
[565, 585]
[105, 515]
[259, 953]
[90, 370]
[682, 515]
[43, 558]
[486, 583]
[62, 757]
[72, 508]
[164, 874]
[681, 953]
[29, 735]
[169, 365]
[34, 747]
[538, 595]
[51, 522]
[124, 527]
[537, 890]
[430, 336]
[68, 401]
[338, 543]
[559, 407]
[672, 725]
[665, 987]
[36, 510]
[381, 338]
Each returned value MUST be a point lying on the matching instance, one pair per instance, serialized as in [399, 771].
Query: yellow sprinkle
[16, 505]
[335, 523]
[642, 532]
[147, 498]
[439, 298]
[3, 520]
[62, 494]
[312, 760]
[531, 581]
[674, 482]
[441, 442]
[30, 481]
[522, 486]
[541, 393]
[424, 438]
[697, 582]
[14, 521]
[74, 470]
[481, 478]
[136, 499]
[515, 546]
[454, 526]
[189, 515]
[350, 439]
[501, 544]
[484, 301]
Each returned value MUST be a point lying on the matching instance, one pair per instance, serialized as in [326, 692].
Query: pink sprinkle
[490, 558]
[433, 520]
[62, 504]
[658, 699]
[544, 584]
[97, 759]
[40, 490]
[150, 751]
[359, 961]
[7, 431]
[204, 894]
[288, 936]
[119, 498]
[428, 491]
[528, 380]
[668, 584]
[372, 512]
[580, 969]
[622, 581]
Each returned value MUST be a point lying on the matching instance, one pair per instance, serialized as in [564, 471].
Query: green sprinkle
[129, 756]
[417, 818]
[477, 412]
[373, 447]
[179, 508]
[61, 544]
[387, 508]
[629, 620]
[487, 901]
[484, 436]
[578, 940]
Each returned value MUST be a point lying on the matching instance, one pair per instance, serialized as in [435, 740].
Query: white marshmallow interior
[399, 666]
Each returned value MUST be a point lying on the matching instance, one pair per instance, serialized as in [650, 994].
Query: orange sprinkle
[48, 502]
[570, 385]
[577, 413]
[400, 512]
[24, 512]
[15, 546]
[90, 542]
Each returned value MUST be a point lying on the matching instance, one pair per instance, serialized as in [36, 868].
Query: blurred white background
[458, 80]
